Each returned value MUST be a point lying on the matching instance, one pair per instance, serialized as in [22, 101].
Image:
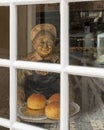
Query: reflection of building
[49, 14]
[52, 17]
[100, 44]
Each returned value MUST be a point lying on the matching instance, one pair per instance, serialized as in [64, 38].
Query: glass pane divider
[80, 0]
[37, 66]
[85, 71]
[64, 47]
[22, 126]
[23, 2]
[13, 52]
[4, 2]
[13, 32]
[4, 62]
[4, 122]
[64, 87]
[27, 2]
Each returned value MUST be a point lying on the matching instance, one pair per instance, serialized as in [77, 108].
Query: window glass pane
[86, 103]
[3, 128]
[4, 32]
[38, 98]
[87, 33]
[39, 33]
[4, 92]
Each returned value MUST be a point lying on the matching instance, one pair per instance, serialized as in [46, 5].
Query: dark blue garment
[46, 85]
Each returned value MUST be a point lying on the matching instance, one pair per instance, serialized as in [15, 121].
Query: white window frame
[63, 68]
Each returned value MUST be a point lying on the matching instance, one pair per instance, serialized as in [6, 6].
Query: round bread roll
[36, 101]
[36, 113]
[52, 110]
[54, 98]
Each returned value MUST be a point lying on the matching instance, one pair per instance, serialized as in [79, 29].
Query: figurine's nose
[45, 39]
[45, 44]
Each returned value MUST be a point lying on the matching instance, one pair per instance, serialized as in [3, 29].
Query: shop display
[35, 87]
[39, 91]
[43, 37]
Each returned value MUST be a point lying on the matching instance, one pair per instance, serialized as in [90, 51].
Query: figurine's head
[43, 37]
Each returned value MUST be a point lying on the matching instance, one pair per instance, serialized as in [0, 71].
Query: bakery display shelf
[38, 116]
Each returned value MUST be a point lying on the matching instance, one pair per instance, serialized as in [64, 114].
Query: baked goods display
[52, 110]
[36, 101]
[39, 108]
[54, 98]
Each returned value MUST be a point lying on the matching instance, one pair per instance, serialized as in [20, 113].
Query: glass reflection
[86, 103]
[86, 33]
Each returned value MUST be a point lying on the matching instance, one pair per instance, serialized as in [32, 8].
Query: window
[51, 47]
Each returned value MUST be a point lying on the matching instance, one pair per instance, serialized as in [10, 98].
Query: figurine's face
[43, 44]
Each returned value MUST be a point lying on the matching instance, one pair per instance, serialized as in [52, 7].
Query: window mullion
[80, 0]
[13, 48]
[4, 62]
[4, 2]
[23, 2]
[64, 121]
[21, 126]
[37, 66]
[85, 71]
[5, 122]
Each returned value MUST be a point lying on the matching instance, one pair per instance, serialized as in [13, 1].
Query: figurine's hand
[21, 74]
[42, 73]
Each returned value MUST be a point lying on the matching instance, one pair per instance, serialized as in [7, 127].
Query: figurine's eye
[41, 42]
[49, 42]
